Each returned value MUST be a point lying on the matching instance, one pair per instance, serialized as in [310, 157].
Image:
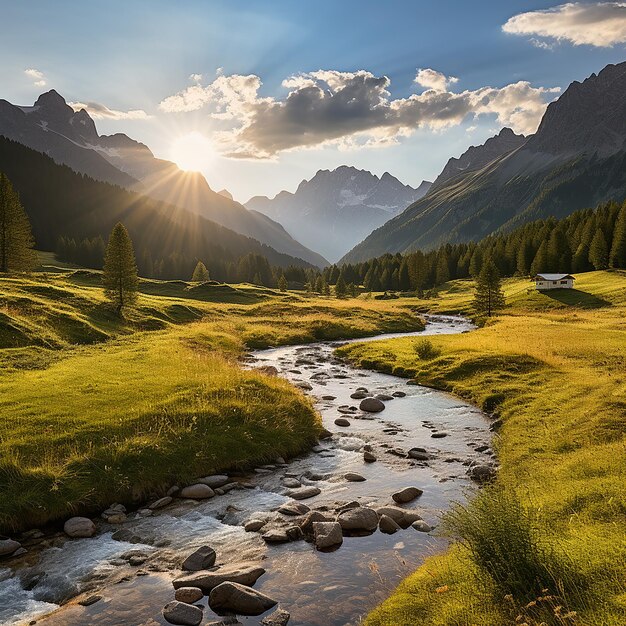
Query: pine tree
[340, 287]
[16, 239]
[488, 296]
[120, 270]
[540, 262]
[618, 248]
[580, 261]
[443, 270]
[200, 273]
[282, 283]
[598, 251]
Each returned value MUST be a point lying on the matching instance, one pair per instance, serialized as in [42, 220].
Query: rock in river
[419, 454]
[9, 546]
[368, 457]
[189, 595]
[276, 536]
[203, 558]
[327, 534]
[304, 493]
[387, 525]
[403, 517]
[360, 518]
[79, 527]
[422, 526]
[407, 495]
[278, 618]
[239, 599]
[353, 477]
[292, 483]
[342, 421]
[371, 405]
[245, 573]
[254, 525]
[214, 481]
[198, 491]
[182, 613]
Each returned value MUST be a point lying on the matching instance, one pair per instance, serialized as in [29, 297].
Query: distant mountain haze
[576, 159]
[51, 126]
[335, 209]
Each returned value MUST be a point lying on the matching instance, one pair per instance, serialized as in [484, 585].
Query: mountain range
[70, 137]
[576, 159]
[337, 208]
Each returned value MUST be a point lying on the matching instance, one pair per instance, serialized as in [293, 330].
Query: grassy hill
[98, 409]
[553, 368]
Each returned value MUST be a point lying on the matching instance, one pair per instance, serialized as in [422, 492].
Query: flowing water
[318, 588]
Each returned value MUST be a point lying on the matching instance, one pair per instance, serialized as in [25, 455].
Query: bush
[425, 350]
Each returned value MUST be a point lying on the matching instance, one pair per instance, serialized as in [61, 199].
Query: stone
[329, 398]
[275, 536]
[293, 509]
[203, 558]
[358, 395]
[304, 386]
[9, 546]
[342, 421]
[214, 481]
[327, 534]
[407, 495]
[173, 491]
[280, 461]
[439, 435]
[403, 517]
[279, 617]
[182, 613]
[312, 518]
[254, 525]
[245, 573]
[199, 491]
[353, 477]
[398, 394]
[368, 457]
[292, 483]
[482, 473]
[270, 370]
[388, 525]
[385, 397]
[419, 454]
[79, 527]
[239, 599]
[421, 525]
[89, 600]
[371, 405]
[294, 533]
[360, 518]
[190, 595]
[304, 493]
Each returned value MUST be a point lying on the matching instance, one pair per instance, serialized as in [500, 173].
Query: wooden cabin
[554, 281]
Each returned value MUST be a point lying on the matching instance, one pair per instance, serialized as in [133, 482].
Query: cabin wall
[544, 285]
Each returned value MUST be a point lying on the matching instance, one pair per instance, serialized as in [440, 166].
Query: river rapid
[333, 588]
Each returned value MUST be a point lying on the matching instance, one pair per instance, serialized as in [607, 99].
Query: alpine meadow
[313, 314]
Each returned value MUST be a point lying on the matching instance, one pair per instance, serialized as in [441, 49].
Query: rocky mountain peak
[52, 100]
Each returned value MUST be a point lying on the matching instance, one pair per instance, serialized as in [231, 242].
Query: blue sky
[131, 56]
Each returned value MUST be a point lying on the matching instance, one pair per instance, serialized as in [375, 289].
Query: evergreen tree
[120, 270]
[282, 283]
[200, 273]
[488, 297]
[580, 261]
[404, 280]
[443, 271]
[16, 239]
[476, 262]
[540, 262]
[353, 292]
[598, 251]
[340, 287]
[618, 247]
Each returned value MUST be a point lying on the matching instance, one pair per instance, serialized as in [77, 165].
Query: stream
[330, 588]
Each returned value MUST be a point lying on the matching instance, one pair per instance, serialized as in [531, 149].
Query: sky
[259, 95]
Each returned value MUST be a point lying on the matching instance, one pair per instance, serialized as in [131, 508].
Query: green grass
[97, 409]
[553, 368]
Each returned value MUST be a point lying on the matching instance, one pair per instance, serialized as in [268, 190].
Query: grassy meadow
[97, 409]
[547, 542]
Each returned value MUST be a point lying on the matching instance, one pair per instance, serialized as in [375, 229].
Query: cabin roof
[553, 277]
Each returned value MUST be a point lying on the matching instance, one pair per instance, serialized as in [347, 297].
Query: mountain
[61, 202]
[576, 159]
[51, 126]
[336, 209]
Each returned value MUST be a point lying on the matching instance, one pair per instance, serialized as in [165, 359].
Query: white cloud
[432, 79]
[348, 109]
[39, 80]
[195, 78]
[601, 24]
[101, 112]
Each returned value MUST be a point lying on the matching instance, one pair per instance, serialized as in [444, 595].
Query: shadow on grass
[575, 297]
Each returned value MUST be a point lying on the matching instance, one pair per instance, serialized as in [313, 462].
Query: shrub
[425, 350]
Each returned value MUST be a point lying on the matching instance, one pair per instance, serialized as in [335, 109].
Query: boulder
[342, 421]
[8, 546]
[292, 483]
[407, 495]
[422, 526]
[403, 517]
[312, 518]
[182, 613]
[439, 434]
[327, 534]
[199, 491]
[254, 525]
[368, 457]
[276, 536]
[387, 525]
[360, 518]
[214, 481]
[293, 509]
[79, 527]
[353, 477]
[359, 395]
[304, 386]
[245, 573]
[304, 493]
[203, 558]
[482, 473]
[270, 370]
[239, 599]
[385, 397]
[278, 618]
[398, 394]
[419, 454]
[160, 503]
[371, 405]
[189, 595]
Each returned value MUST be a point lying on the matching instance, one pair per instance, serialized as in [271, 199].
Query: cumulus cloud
[348, 109]
[601, 24]
[101, 112]
[39, 80]
[195, 78]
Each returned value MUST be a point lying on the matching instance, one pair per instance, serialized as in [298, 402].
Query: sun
[192, 152]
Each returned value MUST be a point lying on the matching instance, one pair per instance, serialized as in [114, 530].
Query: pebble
[342, 421]
[353, 477]
[368, 457]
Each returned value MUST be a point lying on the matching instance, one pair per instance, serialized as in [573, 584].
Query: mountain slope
[336, 209]
[61, 202]
[576, 159]
[51, 126]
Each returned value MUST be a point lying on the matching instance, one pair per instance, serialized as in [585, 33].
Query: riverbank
[552, 368]
[101, 410]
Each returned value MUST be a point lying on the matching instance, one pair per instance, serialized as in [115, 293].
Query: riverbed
[333, 588]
